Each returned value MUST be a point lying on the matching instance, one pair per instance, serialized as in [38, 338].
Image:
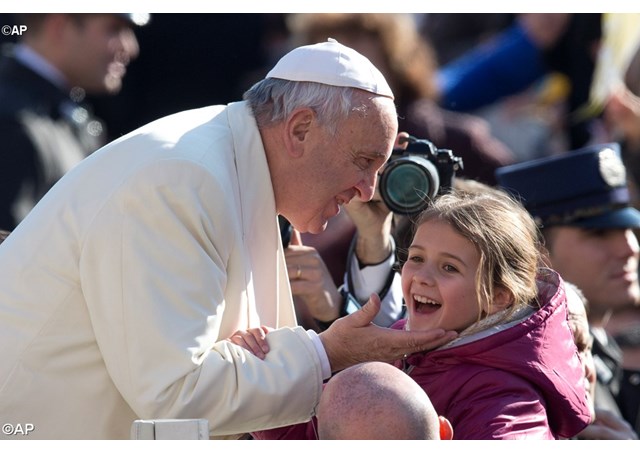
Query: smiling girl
[513, 371]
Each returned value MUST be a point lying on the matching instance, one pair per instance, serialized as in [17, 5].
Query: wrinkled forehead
[375, 118]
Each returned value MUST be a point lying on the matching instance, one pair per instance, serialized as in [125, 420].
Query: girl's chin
[420, 325]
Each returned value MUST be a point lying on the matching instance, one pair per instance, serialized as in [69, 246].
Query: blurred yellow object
[620, 40]
[554, 89]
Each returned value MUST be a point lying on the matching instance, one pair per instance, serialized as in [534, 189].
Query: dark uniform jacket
[618, 389]
[43, 134]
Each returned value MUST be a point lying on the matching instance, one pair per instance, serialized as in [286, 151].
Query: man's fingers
[296, 238]
[354, 339]
[401, 140]
[249, 343]
[417, 341]
[366, 314]
[261, 341]
[238, 340]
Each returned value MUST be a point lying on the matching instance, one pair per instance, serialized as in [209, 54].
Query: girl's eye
[450, 268]
[415, 259]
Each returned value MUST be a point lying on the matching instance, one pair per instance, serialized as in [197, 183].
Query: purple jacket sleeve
[501, 407]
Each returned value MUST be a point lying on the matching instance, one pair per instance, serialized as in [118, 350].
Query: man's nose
[366, 188]
[127, 47]
[627, 244]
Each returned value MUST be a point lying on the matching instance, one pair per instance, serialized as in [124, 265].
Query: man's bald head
[375, 400]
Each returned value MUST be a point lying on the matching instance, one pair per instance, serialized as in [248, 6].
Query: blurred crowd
[500, 91]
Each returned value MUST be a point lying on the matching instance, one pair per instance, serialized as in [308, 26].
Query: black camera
[415, 175]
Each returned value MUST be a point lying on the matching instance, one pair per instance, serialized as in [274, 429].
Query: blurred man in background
[45, 127]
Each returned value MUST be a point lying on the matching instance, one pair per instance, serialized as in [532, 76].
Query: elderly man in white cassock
[121, 288]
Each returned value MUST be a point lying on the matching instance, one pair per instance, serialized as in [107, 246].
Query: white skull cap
[331, 63]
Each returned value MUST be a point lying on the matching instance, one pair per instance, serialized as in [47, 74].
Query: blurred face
[100, 47]
[336, 169]
[584, 343]
[438, 279]
[602, 263]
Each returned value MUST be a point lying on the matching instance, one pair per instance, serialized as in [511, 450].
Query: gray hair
[273, 100]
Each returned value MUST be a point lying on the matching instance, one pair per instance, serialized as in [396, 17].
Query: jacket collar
[260, 228]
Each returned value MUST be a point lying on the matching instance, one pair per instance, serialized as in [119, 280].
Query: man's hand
[355, 339]
[373, 221]
[254, 340]
[310, 280]
[607, 426]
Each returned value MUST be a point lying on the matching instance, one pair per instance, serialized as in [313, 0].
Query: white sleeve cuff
[322, 354]
[370, 279]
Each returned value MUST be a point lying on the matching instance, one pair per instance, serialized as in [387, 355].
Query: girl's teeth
[425, 300]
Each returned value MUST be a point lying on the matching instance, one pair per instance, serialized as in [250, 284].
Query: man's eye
[597, 232]
[364, 163]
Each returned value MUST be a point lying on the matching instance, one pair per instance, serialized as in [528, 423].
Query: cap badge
[611, 168]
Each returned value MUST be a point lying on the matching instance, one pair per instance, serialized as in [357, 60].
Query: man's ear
[446, 430]
[297, 130]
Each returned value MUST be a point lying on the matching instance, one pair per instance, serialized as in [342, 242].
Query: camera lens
[408, 183]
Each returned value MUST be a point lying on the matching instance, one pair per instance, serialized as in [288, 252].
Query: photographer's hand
[310, 280]
[373, 223]
[354, 339]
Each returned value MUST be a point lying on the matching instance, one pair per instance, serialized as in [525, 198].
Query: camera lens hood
[408, 183]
